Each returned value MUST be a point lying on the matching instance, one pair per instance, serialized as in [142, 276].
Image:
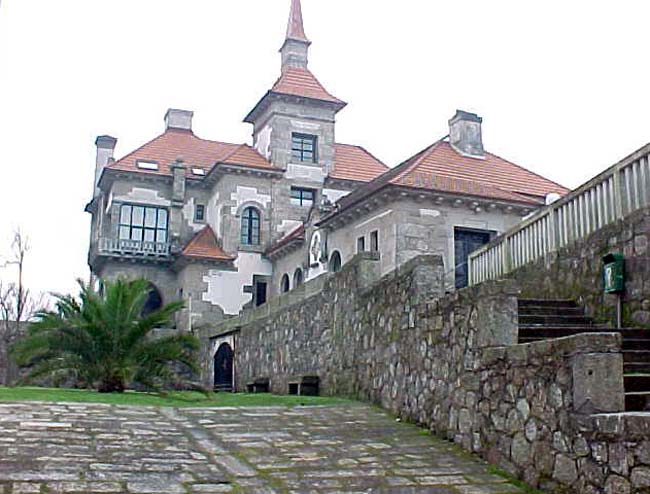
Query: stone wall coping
[627, 426]
[314, 287]
[565, 347]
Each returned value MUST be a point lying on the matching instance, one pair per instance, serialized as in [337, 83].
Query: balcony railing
[136, 248]
[612, 195]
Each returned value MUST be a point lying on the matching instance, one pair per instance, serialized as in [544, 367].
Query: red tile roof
[196, 153]
[205, 246]
[296, 81]
[441, 168]
[444, 162]
[296, 28]
[355, 163]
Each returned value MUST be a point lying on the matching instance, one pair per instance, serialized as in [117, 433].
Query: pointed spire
[296, 28]
[295, 50]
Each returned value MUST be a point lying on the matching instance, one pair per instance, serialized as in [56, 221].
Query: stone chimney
[178, 119]
[465, 134]
[105, 150]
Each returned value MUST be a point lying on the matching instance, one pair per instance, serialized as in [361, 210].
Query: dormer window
[304, 148]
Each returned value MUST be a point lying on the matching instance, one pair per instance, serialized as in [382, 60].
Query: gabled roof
[442, 160]
[296, 235]
[296, 81]
[196, 153]
[355, 163]
[441, 168]
[204, 246]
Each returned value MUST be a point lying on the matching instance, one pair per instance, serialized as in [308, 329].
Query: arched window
[335, 262]
[284, 284]
[153, 303]
[297, 278]
[250, 227]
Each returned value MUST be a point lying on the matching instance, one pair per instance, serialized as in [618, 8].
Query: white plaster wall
[263, 141]
[248, 194]
[189, 215]
[344, 240]
[334, 194]
[305, 173]
[226, 288]
[287, 226]
[140, 195]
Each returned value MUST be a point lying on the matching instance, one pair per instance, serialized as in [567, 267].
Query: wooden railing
[139, 248]
[614, 194]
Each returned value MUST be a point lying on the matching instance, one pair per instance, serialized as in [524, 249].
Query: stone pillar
[178, 201]
[497, 314]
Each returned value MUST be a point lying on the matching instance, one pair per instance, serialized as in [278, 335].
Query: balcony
[133, 248]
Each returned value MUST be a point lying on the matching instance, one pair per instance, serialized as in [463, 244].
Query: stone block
[565, 470]
[598, 383]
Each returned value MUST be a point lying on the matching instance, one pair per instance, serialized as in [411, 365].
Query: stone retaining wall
[575, 272]
[448, 362]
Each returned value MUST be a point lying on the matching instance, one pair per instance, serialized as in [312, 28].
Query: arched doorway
[223, 368]
[335, 262]
[153, 302]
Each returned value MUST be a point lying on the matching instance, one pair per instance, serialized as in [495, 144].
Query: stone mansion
[223, 226]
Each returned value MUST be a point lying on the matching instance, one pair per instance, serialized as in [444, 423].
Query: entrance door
[223, 366]
[466, 242]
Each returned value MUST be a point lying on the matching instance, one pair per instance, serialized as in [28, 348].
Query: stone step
[551, 311]
[528, 302]
[636, 367]
[637, 383]
[635, 343]
[546, 332]
[637, 401]
[547, 320]
[636, 356]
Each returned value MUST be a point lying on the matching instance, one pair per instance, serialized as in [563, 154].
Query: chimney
[465, 134]
[178, 119]
[105, 149]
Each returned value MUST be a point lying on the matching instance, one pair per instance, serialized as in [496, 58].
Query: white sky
[562, 86]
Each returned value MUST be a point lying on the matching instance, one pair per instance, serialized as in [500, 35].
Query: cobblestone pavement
[80, 448]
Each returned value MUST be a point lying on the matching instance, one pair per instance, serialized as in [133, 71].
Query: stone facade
[295, 176]
[451, 363]
[576, 272]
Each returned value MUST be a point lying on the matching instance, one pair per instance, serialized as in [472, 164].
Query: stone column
[178, 201]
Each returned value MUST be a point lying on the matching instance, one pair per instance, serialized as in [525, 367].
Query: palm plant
[103, 341]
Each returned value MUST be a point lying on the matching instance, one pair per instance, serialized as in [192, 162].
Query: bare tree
[17, 304]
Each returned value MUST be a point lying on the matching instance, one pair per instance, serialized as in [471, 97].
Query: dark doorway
[260, 293]
[223, 366]
[153, 302]
[465, 242]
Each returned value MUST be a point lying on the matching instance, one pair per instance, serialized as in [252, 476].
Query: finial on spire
[296, 27]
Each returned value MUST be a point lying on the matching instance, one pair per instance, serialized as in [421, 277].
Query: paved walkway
[79, 448]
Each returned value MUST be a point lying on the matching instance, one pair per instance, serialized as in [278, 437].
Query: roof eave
[261, 105]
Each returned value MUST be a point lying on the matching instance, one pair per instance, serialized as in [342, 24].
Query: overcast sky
[562, 86]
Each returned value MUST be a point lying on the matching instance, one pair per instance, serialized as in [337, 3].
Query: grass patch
[514, 481]
[174, 399]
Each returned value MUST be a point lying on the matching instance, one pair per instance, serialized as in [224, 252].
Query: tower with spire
[296, 107]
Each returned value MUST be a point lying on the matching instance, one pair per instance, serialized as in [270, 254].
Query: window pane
[150, 217]
[136, 234]
[161, 236]
[125, 233]
[125, 215]
[162, 218]
[150, 235]
[138, 215]
[308, 195]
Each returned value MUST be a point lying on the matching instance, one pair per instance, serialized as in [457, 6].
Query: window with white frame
[143, 223]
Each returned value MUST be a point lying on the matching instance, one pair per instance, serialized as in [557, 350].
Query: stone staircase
[546, 319]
